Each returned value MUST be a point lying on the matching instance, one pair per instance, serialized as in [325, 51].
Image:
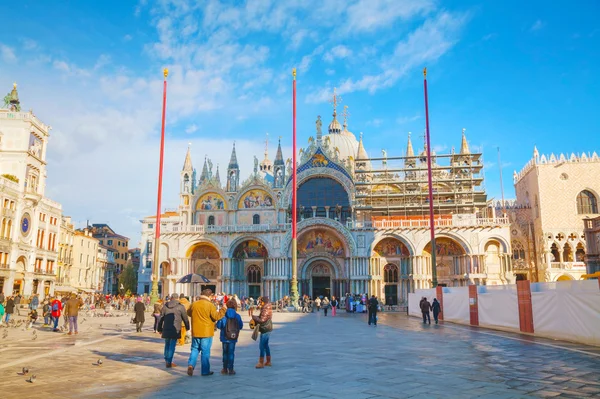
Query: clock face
[25, 224]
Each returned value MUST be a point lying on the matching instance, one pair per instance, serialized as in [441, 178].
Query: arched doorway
[205, 260]
[492, 257]
[395, 267]
[254, 279]
[249, 258]
[19, 281]
[450, 258]
[320, 275]
[391, 279]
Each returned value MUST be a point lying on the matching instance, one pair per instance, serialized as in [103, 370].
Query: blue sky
[514, 74]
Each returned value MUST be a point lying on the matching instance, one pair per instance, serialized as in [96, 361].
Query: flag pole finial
[165, 73]
[425, 73]
[294, 73]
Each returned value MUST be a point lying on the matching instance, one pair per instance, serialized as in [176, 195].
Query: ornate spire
[334, 126]
[187, 164]
[279, 156]
[361, 154]
[11, 100]
[267, 146]
[217, 177]
[409, 148]
[204, 174]
[233, 162]
[346, 114]
[536, 153]
[464, 146]
[319, 124]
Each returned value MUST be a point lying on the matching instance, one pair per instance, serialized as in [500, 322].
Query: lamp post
[154, 292]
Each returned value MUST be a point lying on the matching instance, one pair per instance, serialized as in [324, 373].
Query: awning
[64, 288]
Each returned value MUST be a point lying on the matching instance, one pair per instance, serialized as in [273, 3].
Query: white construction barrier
[498, 306]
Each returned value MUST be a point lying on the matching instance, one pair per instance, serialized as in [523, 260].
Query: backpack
[232, 329]
[55, 307]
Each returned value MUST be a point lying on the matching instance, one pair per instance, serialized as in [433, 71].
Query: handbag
[255, 334]
[266, 327]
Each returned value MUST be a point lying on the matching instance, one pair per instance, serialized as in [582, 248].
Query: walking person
[9, 308]
[204, 315]
[139, 308]
[436, 307]
[372, 308]
[46, 313]
[186, 304]
[318, 303]
[72, 312]
[56, 309]
[265, 326]
[156, 315]
[35, 302]
[17, 301]
[1, 312]
[2, 298]
[325, 305]
[425, 308]
[334, 305]
[171, 316]
[230, 326]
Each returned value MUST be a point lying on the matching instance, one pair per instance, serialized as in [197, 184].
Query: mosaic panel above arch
[445, 247]
[204, 251]
[320, 240]
[390, 247]
[256, 199]
[250, 249]
[211, 202]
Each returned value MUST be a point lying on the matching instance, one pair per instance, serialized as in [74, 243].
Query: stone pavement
[313, 356]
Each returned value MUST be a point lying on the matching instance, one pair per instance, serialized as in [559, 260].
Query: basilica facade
[363, 224]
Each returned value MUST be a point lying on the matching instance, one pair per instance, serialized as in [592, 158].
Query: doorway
[321, 285]
[391, 294]
[254, 291]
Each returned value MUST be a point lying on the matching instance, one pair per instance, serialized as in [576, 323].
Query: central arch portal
[320, 273]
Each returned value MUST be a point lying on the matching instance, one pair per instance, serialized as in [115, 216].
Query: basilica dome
[346, 143]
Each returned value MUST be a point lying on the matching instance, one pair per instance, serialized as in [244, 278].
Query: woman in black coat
[435, 306]
[139, 308]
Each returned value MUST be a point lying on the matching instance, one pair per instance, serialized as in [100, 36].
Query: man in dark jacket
[436, 307]
[425, 308]
[9, 308]
[373, 303]
[171, 316]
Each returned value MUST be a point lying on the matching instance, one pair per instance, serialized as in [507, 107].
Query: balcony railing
[424, 223]
[234, 228]
[567, 265]
[4, 265]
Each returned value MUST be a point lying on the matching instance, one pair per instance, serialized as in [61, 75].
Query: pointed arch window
[256, 219]
[211, 220]
[586, 203]
[254, 275]
[390, 274]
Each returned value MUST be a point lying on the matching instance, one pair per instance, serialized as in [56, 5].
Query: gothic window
[567, 254]
[322, 192]
[256, 219]
[211, 220]
[586, 203]
[390, 274]
[254, 275]
[580, 253]
[554, 251]
[518, 251]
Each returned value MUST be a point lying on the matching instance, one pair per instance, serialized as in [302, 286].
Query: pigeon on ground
[25, 370]
[99, 362]
[32, 378]
[83, 321]
[5, 334]
[34, 338]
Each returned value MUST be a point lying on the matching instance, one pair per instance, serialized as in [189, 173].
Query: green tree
[128, 278]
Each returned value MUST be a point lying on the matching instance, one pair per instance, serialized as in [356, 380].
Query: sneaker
[209, 373]
[190, 371]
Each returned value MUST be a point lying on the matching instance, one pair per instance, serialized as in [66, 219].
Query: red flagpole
[430, 184]
[155, 268]
[294, 283]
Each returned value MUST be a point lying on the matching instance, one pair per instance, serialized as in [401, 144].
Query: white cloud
[191, 128]
[127, 38]
[339, 52]
[29, 44]
[537, 25]
[407, 119]
[7, 54]
[369, 15]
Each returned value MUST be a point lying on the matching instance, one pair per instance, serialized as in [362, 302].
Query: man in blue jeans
[172, 316]
[204, 316]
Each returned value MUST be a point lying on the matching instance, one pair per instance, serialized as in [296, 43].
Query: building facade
[363, 223]
[555, 195]
[65, 256]
[30, 222]
[118, 243]
[592, 237]
[86, 274]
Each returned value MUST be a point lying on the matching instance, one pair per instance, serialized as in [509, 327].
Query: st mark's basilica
[363, 223]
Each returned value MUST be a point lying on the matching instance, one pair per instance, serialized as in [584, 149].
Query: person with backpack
[56, 309]
[172, 315]
[264, 324]
[46, 313]
[230, 327]
[204, 315]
